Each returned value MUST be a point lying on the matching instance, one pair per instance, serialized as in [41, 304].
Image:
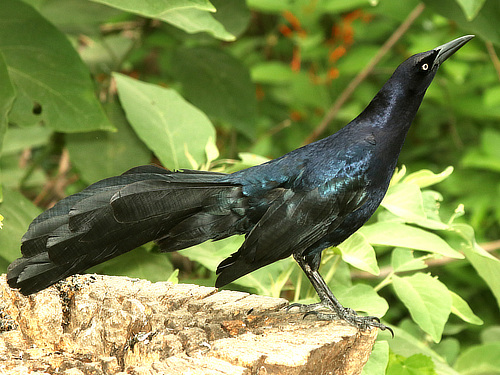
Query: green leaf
[247, 159]
[7, 96]
[52, 83]
[174, 277]
[270, 6]
[106, 53]
[218, 84]
[491, 99]
[485, 24]
[195, 21]
[405, 200]
[157, 8]
[425, 178]
[278, 284]
[210, 253]
[490, 139]
[338, 6]
[211, 150]
[272, 72]
[427, 299]
[417, 364]
[326, 6]
[263, 281]
[357, 58]
[431, 200]
[361, 297]
[398, 175]
[359, 253]
[488, 155]
[234, 15]
[486, 265]
[471, 8]
[99, 155]
[139, 263]
[12, 175]
[461, 309]
[165, 122]
[191, 16]
[490, 334]
[477, 159]
[403, 343]
[302, 93]
[19, 139]
[481, 359]
[18, 213]
[401, 235]
[449, 348]
[377, 363]
[75, 16]
[402, 260]
[474, 107]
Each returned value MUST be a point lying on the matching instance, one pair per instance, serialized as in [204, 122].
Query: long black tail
[113, 216]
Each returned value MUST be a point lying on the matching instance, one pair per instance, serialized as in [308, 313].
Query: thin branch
[493, 57]
[435, 262]
[490, 246]
[346, 94]
[56, 185]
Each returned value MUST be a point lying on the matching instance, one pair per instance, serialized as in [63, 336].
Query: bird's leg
[328, 301]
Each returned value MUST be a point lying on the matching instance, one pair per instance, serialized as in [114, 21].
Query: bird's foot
[350, 316]
[309, 308]
[346, 314]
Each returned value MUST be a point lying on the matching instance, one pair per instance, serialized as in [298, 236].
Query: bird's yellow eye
[425, 66]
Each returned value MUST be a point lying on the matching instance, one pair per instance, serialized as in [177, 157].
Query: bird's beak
[448, 49]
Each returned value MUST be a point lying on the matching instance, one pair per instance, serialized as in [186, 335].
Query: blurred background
[89, 89]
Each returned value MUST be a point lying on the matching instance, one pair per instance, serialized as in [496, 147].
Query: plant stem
[385, 282]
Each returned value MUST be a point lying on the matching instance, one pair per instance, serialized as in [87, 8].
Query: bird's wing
[292, 223]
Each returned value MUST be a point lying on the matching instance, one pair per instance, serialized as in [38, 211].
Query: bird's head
[421, 68]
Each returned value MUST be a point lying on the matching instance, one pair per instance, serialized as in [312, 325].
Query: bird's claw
[347, 314]
[362, 322]
[293, 305]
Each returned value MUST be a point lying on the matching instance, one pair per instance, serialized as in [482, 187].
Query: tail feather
[113, 216]
[49, 220]
[147, 199]
[83, 214]
[36, 273]
[200, 228]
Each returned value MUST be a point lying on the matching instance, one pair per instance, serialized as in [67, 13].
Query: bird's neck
[390, 114]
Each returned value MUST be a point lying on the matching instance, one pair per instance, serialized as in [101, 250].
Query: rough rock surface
[94, 324]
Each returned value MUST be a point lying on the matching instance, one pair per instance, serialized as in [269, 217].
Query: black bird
[299, 204]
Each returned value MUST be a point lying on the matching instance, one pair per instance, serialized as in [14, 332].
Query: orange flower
[285, 30]
[337, 53]
[295, 64]
[333, 73]
[295, 116]
[294, 21]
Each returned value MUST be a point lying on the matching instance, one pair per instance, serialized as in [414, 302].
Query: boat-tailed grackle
[296, 205]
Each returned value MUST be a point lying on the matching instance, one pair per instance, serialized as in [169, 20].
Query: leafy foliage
[52, 83]
[90, 89]
[171, 127]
